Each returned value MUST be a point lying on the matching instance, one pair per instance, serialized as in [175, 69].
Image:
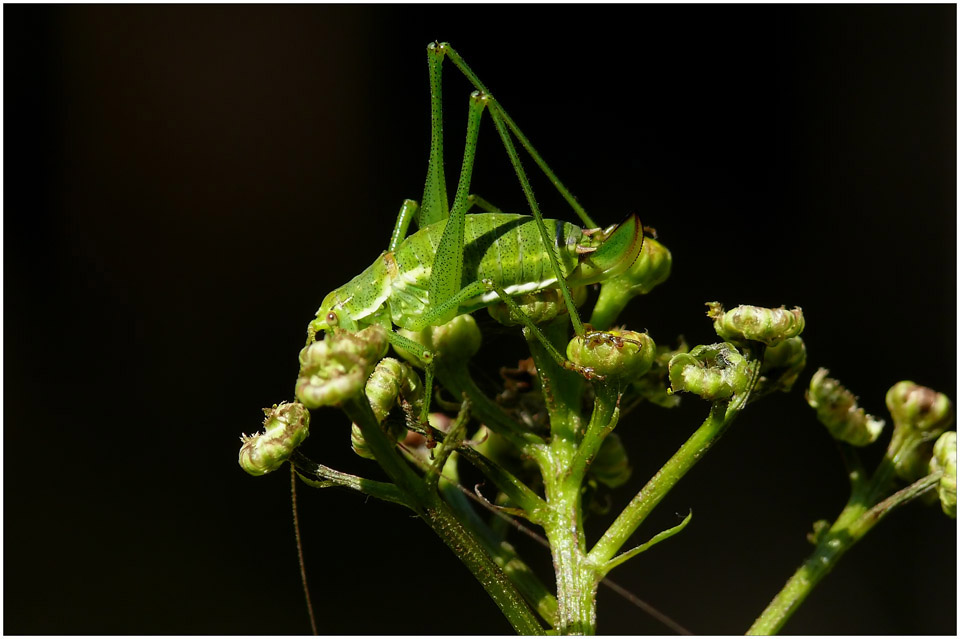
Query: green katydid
[458, 263]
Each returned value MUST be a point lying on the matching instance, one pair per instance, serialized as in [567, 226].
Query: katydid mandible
[458, 263]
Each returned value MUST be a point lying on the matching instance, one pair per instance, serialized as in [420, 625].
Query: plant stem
[576, 577]
[720, 417]
[854, 521]
[436, 513]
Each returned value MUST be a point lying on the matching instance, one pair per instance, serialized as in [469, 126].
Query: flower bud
[540, 307]
[649, 270]
[389, 382]
[782, 365]
[754, 323]
[616, 353]
[285, 427]
[611, 466]
[919, 407]
[920, 415]
[336, 368]
[714, 371]
[945, 460]
[837, 410]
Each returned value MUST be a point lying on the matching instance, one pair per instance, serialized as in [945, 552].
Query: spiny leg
[408, 211]
[535, 209]
[446, 273]
[454, 249]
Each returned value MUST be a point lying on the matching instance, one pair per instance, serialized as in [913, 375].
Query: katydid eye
[332, 318]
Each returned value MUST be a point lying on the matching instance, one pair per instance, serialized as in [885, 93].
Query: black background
[183, 184]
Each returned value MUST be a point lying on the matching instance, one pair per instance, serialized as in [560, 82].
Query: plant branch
[855, 521]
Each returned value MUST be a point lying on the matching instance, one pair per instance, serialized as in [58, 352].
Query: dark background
[183, 184]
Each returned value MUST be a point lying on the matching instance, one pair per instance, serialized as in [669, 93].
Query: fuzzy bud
[944, 460]
[714, 371]
[754, 323]
[285, 427]
[337, 367]
[616, 353]
[837, 410]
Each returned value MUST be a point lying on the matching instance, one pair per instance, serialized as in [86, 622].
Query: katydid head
[332, 314]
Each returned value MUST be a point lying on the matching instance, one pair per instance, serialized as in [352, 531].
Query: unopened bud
[782, 365]
[539, 307]
[837, 410]
[617, 353]
[920, 415]
[611, 466]
[714, 371]
[337, 367]
[649, 270]
[754, 323]
[285, 427]
[390, 382]
[945, 460]
[919, 407]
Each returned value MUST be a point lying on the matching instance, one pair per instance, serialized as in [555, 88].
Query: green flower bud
[616, 353]
[336, 368]
[285, 427]
[714, 371]
[540, 307]
[649, 270]
[945, 460]
[837, 410]
[754, 323]
[920, 415]
[782, 365]
[611, 466]
[919, 407]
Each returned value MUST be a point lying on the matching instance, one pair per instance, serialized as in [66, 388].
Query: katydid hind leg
[496, 107]
[434, 206]
[446, 273]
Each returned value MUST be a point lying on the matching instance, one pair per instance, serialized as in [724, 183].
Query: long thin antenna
[296, 533]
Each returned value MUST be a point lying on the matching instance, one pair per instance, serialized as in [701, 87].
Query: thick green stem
[436, 513]
[854, 521]
[721, 416]
[576, 577]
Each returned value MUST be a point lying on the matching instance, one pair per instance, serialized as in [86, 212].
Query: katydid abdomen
[502, 248]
